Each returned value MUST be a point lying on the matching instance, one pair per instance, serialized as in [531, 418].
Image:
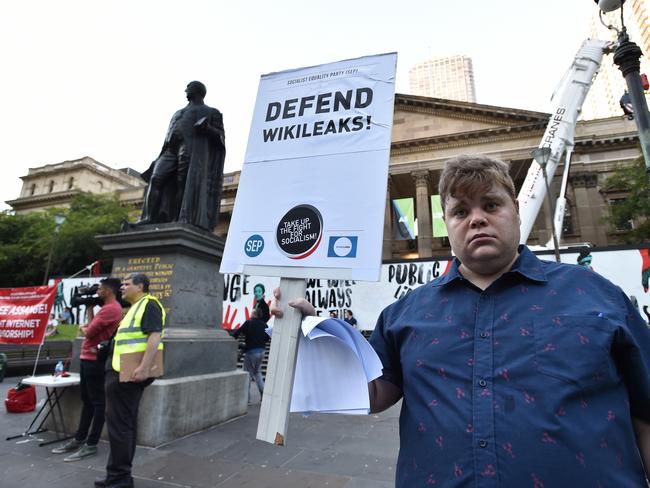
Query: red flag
[24, 313]
[96, 268]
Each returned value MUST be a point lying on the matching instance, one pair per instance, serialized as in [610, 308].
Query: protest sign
[312, 190]
[311, 195]
[24, 313]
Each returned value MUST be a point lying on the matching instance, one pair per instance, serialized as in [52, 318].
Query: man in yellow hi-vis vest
[140, 331]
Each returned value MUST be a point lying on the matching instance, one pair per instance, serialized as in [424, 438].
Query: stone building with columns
[426, 132]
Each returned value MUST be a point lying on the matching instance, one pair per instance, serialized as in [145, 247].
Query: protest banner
[310, 201]
[626, 266]
[365, 299]
[24, 313]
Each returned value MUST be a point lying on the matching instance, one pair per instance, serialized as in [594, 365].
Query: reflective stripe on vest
[129, 336]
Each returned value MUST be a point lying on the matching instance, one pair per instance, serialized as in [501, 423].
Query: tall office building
[451, 78]
[609, 85]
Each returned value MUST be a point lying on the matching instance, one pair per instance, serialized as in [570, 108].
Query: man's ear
[518, 214]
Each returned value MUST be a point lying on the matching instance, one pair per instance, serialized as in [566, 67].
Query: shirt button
[482, 443]
[482, 383]
[484, 334]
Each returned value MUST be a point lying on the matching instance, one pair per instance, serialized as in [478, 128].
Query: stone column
[587, 205]
[423, 212]
[434, 177]
[387, 248]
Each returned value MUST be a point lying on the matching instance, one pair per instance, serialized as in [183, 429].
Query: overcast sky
[102, 79]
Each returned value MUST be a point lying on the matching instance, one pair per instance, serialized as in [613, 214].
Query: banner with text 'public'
[313, 186]
[24, 313]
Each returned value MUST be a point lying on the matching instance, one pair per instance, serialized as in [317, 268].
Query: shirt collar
[527, 265]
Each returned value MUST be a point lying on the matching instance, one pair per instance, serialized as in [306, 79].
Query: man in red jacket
[99, 328]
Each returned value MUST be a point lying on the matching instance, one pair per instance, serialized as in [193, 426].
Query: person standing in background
[98, 329]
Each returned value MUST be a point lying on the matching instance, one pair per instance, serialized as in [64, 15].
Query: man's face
[259, 293]
[483, 229]
[103, 291]
[130, 291]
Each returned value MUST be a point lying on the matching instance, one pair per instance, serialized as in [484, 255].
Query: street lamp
[541, 155]
[58, 221]
[627, 57]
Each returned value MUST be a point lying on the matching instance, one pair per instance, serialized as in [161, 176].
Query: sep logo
[254, 246]
[342, 247]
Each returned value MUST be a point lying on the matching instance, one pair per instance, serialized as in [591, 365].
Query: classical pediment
[419, 118]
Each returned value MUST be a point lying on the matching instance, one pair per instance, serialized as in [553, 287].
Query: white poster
[313, 186]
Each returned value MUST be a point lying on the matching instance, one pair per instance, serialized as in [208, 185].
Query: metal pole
[627, 58]
[38, 355]
[49, 259]
[556, 245]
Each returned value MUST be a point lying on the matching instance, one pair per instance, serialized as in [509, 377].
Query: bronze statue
[186, 179]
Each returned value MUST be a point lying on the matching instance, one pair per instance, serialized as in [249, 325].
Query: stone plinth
[201, 385]
[173, 408]
[182, 262]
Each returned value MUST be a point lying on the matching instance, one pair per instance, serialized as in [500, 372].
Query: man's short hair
[473, 174]
[113, 284]
[140, 279]
[260, 285]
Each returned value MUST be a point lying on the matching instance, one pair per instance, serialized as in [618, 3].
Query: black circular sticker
[300, 231]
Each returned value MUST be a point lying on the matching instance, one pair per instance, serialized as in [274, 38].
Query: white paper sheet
[334, 366]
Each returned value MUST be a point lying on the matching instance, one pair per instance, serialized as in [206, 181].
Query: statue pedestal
[201, 385]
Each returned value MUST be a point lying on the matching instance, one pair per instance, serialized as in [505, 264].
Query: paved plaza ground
[323, 451]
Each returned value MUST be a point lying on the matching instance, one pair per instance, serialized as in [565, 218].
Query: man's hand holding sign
[383, 394]
[313, 129]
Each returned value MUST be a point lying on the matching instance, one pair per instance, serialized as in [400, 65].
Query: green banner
[437, 224]
[403, 219]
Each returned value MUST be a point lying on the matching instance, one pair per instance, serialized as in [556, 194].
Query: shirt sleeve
[240, 330]
[152, 318]
[632, 355]
[384, 345]
[106, 317]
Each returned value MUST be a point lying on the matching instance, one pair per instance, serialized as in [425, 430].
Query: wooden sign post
[274, 413]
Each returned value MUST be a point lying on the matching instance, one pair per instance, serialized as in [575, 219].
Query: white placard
[312, 190]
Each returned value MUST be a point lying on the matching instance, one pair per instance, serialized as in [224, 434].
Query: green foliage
[636, 206]
[26, 239]
[24, 244]
[65, 332]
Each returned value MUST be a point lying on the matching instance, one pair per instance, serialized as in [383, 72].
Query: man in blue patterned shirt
[514, 372]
